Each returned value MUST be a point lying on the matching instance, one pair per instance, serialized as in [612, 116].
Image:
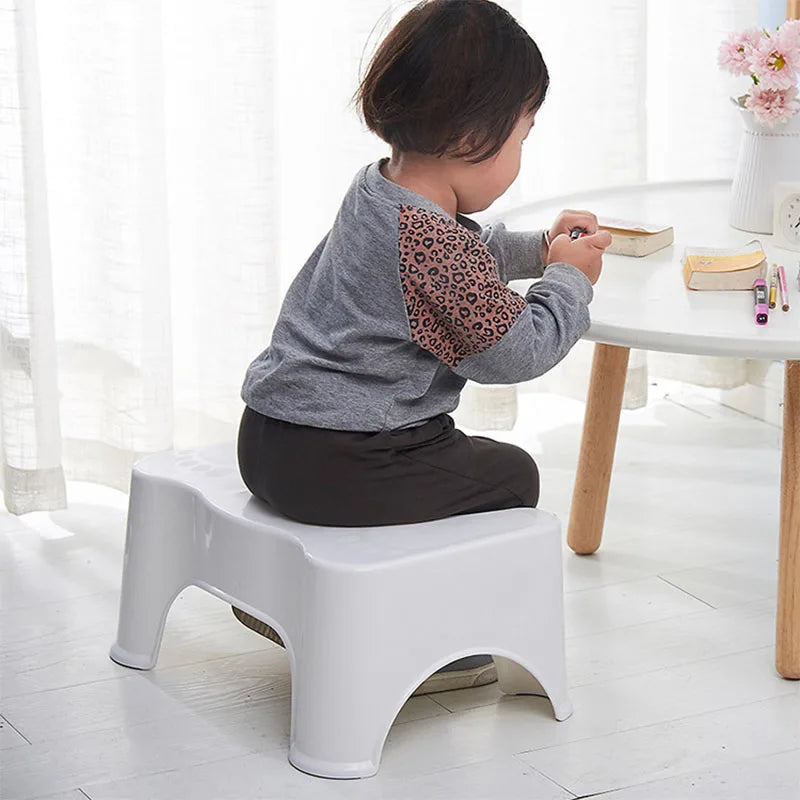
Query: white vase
[766, 156]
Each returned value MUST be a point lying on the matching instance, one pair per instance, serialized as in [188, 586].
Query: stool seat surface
[213, 474]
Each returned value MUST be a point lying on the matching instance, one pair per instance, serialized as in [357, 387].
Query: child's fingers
[600, 240]
[588, 222]
[577, 218]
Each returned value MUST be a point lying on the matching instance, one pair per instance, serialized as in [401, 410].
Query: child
[347, 419]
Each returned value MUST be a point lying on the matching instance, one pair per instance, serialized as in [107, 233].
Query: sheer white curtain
[142, 243]
[166, 166]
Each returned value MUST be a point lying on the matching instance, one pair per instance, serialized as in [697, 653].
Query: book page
[724, 259]
[626, 225]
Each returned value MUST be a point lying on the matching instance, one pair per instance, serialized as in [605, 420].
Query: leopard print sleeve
[456, 304]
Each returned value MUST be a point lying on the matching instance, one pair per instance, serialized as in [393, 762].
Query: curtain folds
[166, 167]
[148, 171]
[33, 477]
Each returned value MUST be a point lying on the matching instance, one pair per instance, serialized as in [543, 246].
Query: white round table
[643, 303]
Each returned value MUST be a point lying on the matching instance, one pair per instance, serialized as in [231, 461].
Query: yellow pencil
[773, 287]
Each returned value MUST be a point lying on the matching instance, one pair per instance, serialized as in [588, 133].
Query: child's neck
[425, 175]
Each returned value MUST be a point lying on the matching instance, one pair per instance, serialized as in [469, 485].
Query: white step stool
[366, 614]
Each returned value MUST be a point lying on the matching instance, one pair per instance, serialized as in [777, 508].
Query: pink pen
[761, 302]
[782, 284]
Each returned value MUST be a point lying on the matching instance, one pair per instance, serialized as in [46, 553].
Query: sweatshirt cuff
[518, 253]
[564, 273]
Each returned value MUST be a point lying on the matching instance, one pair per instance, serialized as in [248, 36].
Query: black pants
[350, 478]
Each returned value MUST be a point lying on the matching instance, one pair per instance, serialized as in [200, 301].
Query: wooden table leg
[787, 645]
[600, 425]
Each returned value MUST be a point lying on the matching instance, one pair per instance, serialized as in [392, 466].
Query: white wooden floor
[670, 632]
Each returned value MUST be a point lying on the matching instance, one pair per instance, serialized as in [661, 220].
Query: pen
[784, 290]
[760, 299]
[773, 287]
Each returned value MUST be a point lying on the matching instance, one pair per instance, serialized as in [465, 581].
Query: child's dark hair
[453, 77]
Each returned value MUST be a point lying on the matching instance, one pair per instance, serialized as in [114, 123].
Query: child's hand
[585, 253]
[570, 218]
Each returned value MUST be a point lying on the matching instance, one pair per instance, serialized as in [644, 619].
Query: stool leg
[341, 713]
[512, 678]
[535, 661]
[539, 664]
[156, 567]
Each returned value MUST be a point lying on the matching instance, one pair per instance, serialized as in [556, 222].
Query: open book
[724, 268]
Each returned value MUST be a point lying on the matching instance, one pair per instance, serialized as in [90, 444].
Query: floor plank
[699, 741]
[776, 777]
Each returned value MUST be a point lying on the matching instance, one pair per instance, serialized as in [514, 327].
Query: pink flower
[771, 106]
[735, 52]
[789, 35]
[791, 28]
[776, 61]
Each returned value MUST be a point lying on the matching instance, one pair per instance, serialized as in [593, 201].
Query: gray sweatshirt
[400, 304]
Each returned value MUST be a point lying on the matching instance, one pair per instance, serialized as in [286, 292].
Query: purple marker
[761, 302]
